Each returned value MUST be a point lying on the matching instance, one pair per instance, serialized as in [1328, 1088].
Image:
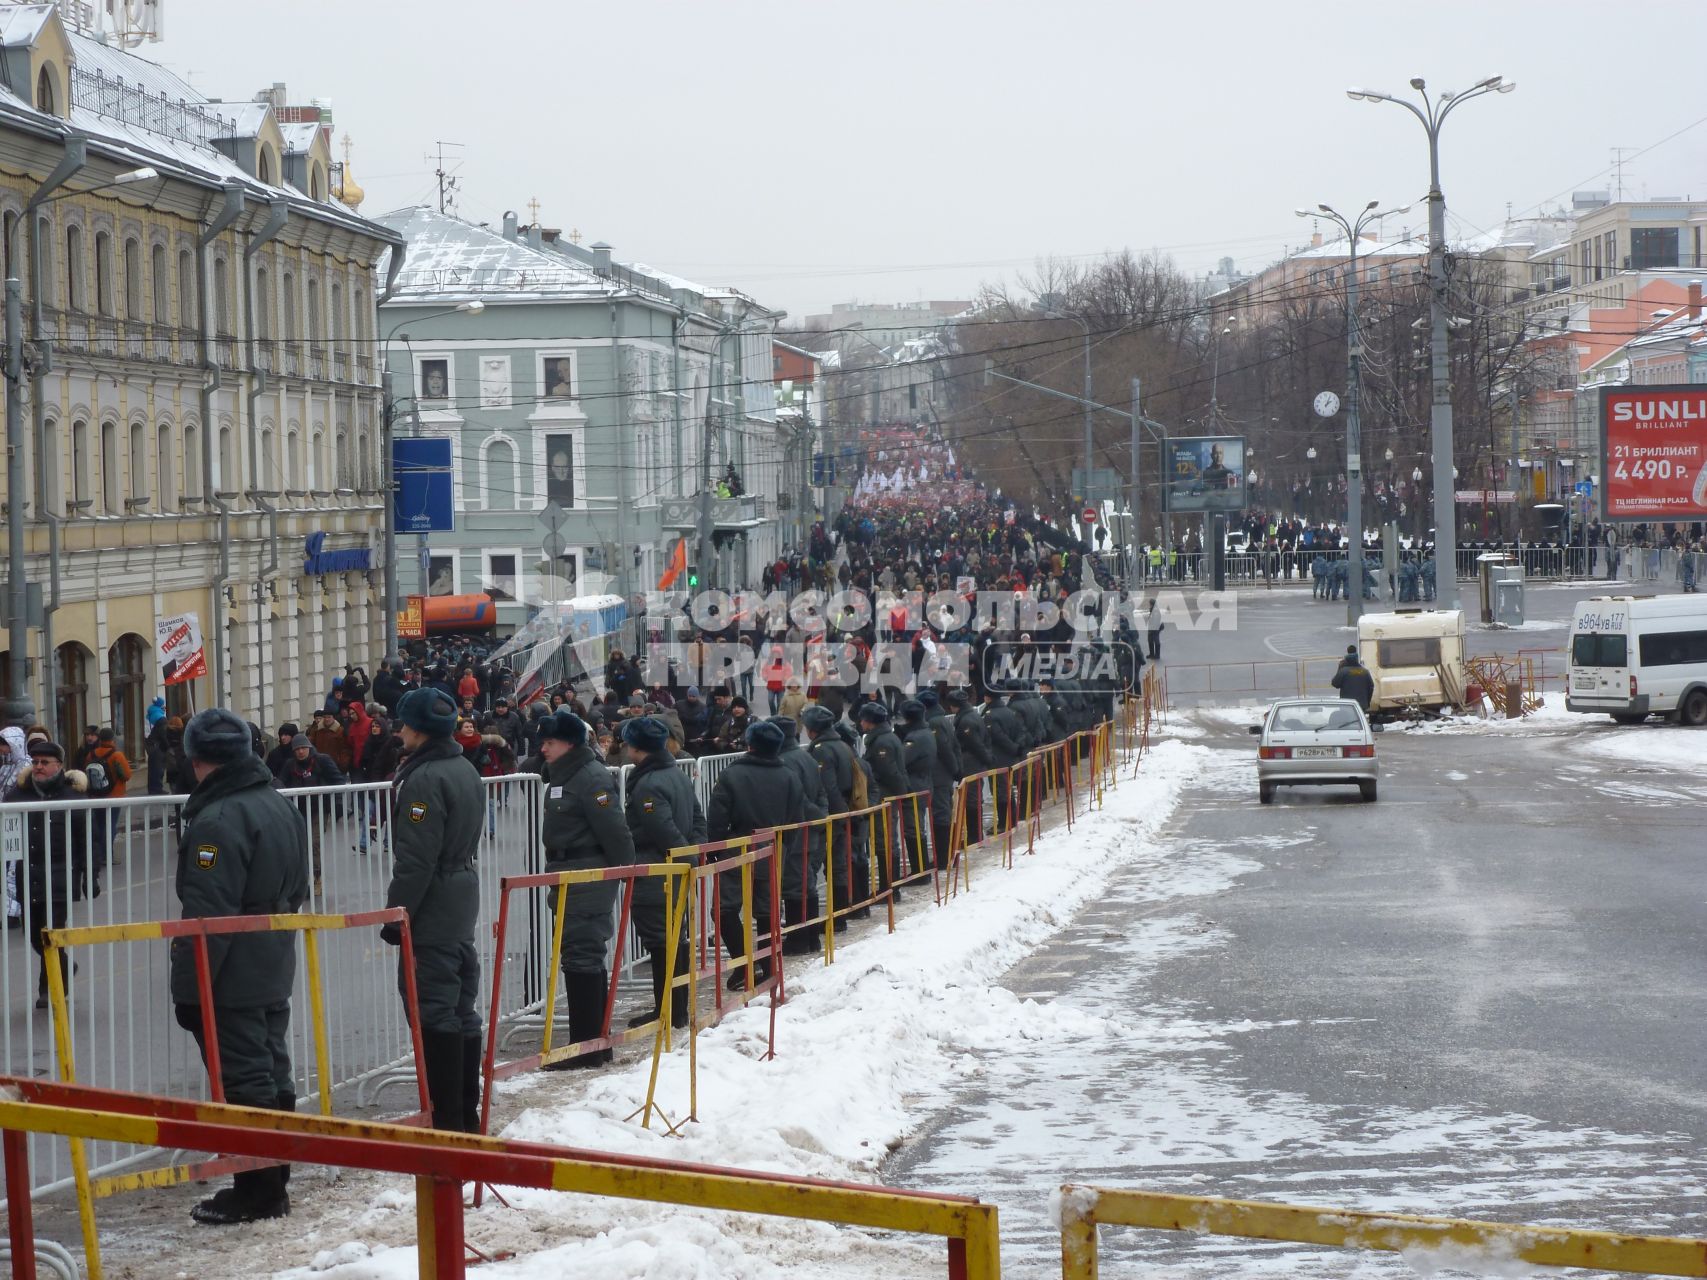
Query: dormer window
[316, 182]
[264, 166]
[47, 101]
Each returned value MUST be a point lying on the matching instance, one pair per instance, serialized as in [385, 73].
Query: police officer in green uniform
[584, 828]
[243, 852]
[663, 813]
[435, 837]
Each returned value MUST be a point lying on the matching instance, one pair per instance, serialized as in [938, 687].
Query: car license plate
[1314, 753]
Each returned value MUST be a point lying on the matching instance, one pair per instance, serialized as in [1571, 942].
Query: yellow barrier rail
[1084, 1208]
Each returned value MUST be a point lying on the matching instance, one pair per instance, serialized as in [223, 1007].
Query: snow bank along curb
[864, 1049]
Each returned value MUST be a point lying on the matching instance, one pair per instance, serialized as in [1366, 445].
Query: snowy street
[1472, 998]
[1479, 997]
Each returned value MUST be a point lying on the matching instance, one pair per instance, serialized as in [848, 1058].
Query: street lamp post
[388, 429]
[1353, 228]
[18, 708]
[1432, 114]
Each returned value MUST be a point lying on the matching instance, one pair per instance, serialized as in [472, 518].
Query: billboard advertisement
[1203, 473]
[421, 469]
[1653, 452]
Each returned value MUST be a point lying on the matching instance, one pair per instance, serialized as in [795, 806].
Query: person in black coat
[800, 882]
[305, 768]
[944, 778]
[1008, 745]
[663, 813]
[918, 745]
[972, 736]
[1353, 680]
[56, 841]
[755, 793]
[884, 753]
[849, 869]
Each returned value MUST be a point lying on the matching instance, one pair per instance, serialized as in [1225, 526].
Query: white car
[1315, 742]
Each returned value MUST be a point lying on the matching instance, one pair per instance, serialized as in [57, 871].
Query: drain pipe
[278, 214]
[231, 208]
[76, 156]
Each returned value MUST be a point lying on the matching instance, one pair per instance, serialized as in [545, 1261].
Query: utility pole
[1134, 569]
[1353, 443]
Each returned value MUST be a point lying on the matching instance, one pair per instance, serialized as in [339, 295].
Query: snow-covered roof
[140, 114]
[1339, 250]
[299, 136]
[21, 24]
[448, 258]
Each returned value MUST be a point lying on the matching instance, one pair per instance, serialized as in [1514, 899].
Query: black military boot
[586, 993]
[253, 1196]
[473, 1053]
[443, 1067]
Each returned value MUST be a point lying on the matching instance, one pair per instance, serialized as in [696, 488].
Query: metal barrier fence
[1456, 1243]
[442, 1162]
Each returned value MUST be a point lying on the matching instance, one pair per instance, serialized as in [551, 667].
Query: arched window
[162, 287]
[82, 468]
[293, 447]
[47, 101]
[316, 183]
[288, 295]
[44, 246]
[192, 460]
[104, 301]
[269, 468]
[314, 311]
[263, 306]
[264, 165]
[138, 461]
[364, 463]
[500, 476]
[112, 494]
[48, 495]
[322, 480]
[221, 297]
[167, 498]
[72, 713]
[133, 280]
[188, 308]
[227, 461]
[75, 298]
[340, 329]
[345, 480]
[127, 673]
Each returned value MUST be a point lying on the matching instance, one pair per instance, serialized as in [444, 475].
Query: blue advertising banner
[1203, 473]
[424, 496]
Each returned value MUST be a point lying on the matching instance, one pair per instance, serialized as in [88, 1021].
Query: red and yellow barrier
[1084, 1208]
[199, 930]
[442, 1162]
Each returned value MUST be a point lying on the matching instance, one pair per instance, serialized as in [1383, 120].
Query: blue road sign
[424, 495]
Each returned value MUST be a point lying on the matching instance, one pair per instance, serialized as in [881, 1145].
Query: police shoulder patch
[206, 856]
[602, 799]
[417, 811]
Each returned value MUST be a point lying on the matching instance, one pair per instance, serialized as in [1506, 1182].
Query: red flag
[678, 565]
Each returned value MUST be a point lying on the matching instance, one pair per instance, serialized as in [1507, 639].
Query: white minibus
[1636, 656]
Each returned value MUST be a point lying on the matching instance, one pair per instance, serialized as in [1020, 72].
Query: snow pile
[1661, 746]
[864, 1050]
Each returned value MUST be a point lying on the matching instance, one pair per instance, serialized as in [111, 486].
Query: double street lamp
[1432, 114]
[1353, 228]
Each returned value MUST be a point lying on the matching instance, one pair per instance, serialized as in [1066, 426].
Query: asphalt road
[1482, 996]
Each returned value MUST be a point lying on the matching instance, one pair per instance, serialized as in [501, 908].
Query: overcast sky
[894, 150]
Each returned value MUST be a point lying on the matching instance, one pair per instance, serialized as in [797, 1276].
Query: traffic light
[693, 578]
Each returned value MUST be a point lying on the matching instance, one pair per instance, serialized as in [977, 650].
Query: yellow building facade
[201, 427]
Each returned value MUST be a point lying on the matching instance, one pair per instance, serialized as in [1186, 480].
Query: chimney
[534, 238]
[1315, 239]
[1694, 299]
[509, 224]
[601, 258]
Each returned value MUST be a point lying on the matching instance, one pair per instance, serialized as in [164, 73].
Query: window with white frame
[560, 468]
[432, 381]
[501, 577]
[501, 490]
[442, 573]
[557, 375]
